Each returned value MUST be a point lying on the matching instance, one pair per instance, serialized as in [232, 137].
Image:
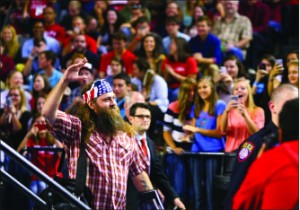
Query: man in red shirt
[119, 50]
[273, 179]
[52, 29]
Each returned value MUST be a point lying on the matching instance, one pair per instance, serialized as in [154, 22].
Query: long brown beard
[109, 122]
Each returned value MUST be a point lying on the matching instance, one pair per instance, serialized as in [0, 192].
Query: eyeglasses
[141, 116]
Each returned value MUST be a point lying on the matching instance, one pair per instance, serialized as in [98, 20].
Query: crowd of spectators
[187, 59]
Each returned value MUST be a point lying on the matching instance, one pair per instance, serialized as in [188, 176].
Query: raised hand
[72, 72]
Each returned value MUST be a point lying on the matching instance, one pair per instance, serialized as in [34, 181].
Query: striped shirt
[108, 163]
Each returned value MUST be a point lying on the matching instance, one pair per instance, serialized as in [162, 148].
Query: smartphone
[8, 101]
[235, 97]
[223, 70]
[41, 126]
[279, 62]
[262, 66]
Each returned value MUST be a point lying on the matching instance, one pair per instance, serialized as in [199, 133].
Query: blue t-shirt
[204, 143]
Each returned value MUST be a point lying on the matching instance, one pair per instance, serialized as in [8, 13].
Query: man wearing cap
[75, 98]
[111, 149]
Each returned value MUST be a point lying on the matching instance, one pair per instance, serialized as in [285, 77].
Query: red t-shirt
[127, 57]
[56, 31]
[47, 161]
[36, 10]
[183, 68]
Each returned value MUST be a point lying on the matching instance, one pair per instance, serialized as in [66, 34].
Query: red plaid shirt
[108, 163]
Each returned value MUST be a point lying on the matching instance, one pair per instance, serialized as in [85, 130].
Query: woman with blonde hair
[241, 117]
[14, 117]
[10, 40]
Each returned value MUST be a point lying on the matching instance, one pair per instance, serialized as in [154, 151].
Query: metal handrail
[61, 191]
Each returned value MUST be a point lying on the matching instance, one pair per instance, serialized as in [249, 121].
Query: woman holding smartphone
[241, 117]
[47, 161]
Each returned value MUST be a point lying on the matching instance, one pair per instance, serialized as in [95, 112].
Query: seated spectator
[293, 73]
[79, 46]
[119, 50]
[14, 117]
[151, 50]
[37, 109]
[197, 11]
[235, 67]
[53, 29]
[116, 67]
[206, 48]
[172, 26]
[241, 117]
[15, 79]
[234, 31]
[78, 28]
[178, 66]
[121, 88]
[7, 63]
[46, 61]
[39, 33]
[10, 40]
[41, 86]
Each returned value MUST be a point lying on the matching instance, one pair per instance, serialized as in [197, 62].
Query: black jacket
[157, 177]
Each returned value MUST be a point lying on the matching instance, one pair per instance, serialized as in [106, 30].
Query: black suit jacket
[157, 177]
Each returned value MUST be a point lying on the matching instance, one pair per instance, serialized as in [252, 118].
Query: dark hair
[142, 64]
[204, 19]
[142, 19]
[49, 54]
[241, 72]
[124, 77]
[119, 60]
[288, 122]
[269, 58]
[47, 87]
[37, 40]
[158, 46]
[172, 19]
[182, 49]
[119, 35]
[135, 106]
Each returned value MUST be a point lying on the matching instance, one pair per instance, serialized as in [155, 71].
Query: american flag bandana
[98, 88]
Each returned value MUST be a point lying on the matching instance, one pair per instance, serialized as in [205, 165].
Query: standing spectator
[46, 161]
[206, 48]
[241, 117]
[234, 30]
[10, 40]
[277, 185]
[251, 147]
[140, 119]
[53, 29]
[121, 88]
[107, 138]
[206, 114]
[119, 50]
[151, 50]
[178, 114]
[178, 66]
[172, 26]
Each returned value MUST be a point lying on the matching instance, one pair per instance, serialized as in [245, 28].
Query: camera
[262, 66]
[41, 126]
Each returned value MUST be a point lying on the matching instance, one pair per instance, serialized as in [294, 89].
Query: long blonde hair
[250, 105]
[23, 106]
[13, 45]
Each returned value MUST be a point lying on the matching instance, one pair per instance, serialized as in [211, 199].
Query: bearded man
[111, 149]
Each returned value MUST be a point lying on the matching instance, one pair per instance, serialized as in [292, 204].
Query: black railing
[24, 163]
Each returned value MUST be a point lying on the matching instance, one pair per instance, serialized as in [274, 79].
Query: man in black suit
[140, 119]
